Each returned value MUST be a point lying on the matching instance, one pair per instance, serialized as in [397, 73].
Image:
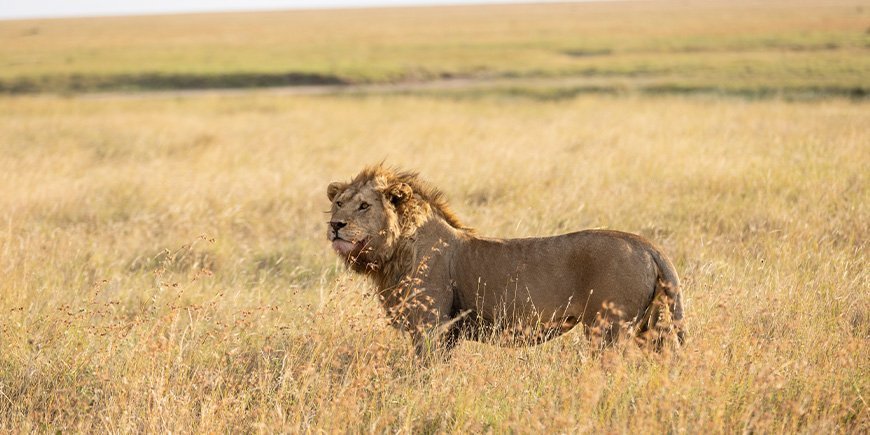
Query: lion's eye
[364, 206]
[338, 204]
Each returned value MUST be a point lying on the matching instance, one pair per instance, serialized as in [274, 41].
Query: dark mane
[429, 193]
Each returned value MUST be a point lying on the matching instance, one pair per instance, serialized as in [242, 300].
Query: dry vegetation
[742, 46]
[163, 262]
[164, 266]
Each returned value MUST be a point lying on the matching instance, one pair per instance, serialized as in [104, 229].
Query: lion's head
[372, 214]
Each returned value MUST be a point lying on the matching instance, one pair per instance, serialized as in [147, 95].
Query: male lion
[441, 282]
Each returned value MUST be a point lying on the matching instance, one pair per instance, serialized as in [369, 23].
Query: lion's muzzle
[346, 248]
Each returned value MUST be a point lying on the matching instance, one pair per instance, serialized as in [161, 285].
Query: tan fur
[441, 282]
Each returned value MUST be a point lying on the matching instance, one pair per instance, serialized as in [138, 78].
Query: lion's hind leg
[608, 326]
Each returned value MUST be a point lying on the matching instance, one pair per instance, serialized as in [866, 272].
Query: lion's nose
[337, 225]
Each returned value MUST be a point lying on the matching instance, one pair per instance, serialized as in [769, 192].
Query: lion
[440, 281]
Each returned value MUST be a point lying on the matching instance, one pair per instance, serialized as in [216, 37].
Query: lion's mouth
[347, 248]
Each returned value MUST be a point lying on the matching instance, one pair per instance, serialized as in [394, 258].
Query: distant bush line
[81, 83]
[75, 83]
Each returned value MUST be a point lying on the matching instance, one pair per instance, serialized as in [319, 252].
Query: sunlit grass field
[164, 266]
[748, 47]
[163, 262]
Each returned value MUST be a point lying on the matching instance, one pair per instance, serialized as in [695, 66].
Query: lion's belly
[548, 285]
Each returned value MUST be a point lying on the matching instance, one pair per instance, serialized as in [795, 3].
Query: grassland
[163, 262]
[165, 269]
[743, 47]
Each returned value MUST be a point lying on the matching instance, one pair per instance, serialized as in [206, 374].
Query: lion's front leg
[433, 334]
[434, 341]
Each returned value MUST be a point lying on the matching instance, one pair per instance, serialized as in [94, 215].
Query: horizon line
[324, 7]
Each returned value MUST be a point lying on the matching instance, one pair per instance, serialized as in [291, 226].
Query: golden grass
[746, 44]
[164, 266]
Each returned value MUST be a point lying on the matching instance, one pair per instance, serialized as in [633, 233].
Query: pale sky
[11, 9]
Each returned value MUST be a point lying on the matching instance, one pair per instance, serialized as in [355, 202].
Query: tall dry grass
[164, 266]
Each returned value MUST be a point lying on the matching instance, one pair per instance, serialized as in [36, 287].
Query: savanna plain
[164, 266]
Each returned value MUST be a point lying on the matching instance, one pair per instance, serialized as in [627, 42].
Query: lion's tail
[663, 317]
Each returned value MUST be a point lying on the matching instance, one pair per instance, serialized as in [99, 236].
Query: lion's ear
[334, 189]
[399, 193]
